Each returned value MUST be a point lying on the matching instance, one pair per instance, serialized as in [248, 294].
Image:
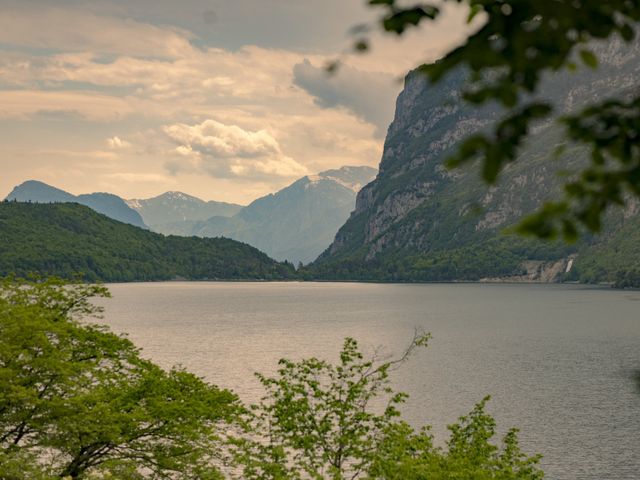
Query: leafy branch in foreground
[406, 454]
[515, 45]
[76, 400]
[341, 421]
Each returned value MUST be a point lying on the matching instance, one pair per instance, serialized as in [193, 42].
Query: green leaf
[474, 10]
[588, 58]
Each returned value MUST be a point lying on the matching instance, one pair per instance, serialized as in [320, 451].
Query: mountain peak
[39, 192]
[175, 195]
[172, 195]
[173, 206]
[351, 177]
[30, 183]
[106, 203]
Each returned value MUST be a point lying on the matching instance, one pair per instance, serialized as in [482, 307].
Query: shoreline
[599, 286]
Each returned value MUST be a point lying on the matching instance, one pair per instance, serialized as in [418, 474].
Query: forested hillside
[67, 239]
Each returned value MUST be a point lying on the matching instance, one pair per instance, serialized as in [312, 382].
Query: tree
[341, 421]
[77, 400]
[316, 419]
[406, 454]
[516, 44]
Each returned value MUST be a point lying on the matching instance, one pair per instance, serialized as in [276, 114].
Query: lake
[560, 362]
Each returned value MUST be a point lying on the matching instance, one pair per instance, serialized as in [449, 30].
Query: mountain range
[416, 220]
[419, 221]
[296, 223]
[175, 207]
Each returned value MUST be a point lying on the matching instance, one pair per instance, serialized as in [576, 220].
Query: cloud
[366, 94]
[133, 67]
[138, 178]
[72, 30]
[223, 141]
[94, 106]
[228, 151]
[117, 143]
[83, 154]
[250, 76]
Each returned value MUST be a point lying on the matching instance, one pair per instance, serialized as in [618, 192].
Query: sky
[226, 100]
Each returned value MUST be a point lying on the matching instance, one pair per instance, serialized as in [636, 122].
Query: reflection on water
[560, 362]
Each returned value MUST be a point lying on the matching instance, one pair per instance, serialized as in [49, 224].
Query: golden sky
[222, 99]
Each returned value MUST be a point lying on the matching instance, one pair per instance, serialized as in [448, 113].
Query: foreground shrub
[77, 400]
[341, 421]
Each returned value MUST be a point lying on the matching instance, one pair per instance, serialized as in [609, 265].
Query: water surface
[558, 361]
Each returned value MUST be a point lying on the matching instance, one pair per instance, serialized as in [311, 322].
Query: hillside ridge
[68, 239]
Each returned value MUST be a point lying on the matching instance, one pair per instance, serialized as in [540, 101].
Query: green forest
[70, 240]
[611, 259]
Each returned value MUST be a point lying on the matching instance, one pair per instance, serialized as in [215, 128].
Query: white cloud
[249, 79]
[228, 151]
[83, 154]
[117, 143]
[137, 178]
[223, 141]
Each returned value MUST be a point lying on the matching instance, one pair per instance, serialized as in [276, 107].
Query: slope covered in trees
[68, 239]
[615, 258]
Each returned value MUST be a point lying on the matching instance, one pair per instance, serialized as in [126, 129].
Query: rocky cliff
[420, 221]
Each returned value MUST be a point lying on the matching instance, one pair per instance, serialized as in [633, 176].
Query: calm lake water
[560, 362]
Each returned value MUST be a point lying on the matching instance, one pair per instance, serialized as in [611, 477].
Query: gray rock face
[105, 203]
[296, 223]
[418, 209]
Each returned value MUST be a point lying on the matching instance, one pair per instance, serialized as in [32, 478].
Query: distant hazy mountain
[297, 223]
[175, 207]
[106, 203]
